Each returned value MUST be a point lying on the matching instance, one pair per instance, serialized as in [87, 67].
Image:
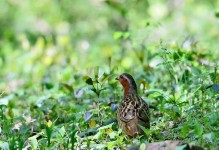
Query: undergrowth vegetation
[59, 60]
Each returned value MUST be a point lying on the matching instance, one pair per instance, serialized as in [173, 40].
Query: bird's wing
[127, 111]
[134, 106]
[143, 111]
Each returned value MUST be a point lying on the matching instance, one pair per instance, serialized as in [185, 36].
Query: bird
[133, 111]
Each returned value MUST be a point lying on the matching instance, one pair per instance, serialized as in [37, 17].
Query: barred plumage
[133, 110]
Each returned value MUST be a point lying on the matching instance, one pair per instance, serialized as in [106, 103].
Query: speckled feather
[132, 112]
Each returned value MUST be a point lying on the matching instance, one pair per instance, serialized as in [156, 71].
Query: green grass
[59, 61]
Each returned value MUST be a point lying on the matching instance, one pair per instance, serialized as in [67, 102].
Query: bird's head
[128, 83]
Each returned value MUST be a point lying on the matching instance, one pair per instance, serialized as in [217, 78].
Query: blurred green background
[56, 55]
[45, 36]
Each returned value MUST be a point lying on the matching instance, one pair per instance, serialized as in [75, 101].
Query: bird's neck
[129, 90]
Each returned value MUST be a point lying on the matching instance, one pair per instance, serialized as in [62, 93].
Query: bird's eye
[121, 76]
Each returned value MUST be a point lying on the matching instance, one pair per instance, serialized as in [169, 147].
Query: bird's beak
[117, 78]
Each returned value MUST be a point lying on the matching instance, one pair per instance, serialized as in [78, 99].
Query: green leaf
[126, 35]
[146, 131]
[106, 127]
[94, 90]
[117, 35]
[106, 77]
[33, 142]
[72, 135]
[48, 85]
[96, 72]
[99, 146]
[62, 131]
[209, 136]
[97, 135]
[5, 100]
[215, 87]
[217, 14]
[67, 86]
[111, 144]
[4, 145]
[196, 71]
[88, 80]
[112, 135]
[198, 129]
[184, 131]
[182, 147]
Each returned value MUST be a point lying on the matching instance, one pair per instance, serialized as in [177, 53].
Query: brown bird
[133, 110]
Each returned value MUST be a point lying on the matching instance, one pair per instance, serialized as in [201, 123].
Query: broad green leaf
[184, 131]
[62, 131]
[209, 136]
[117, 35]
[198, 129]
[182, 147]
[33, 142]
[112, 135]
[106, 126]
[88, 80]
[4, 145]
